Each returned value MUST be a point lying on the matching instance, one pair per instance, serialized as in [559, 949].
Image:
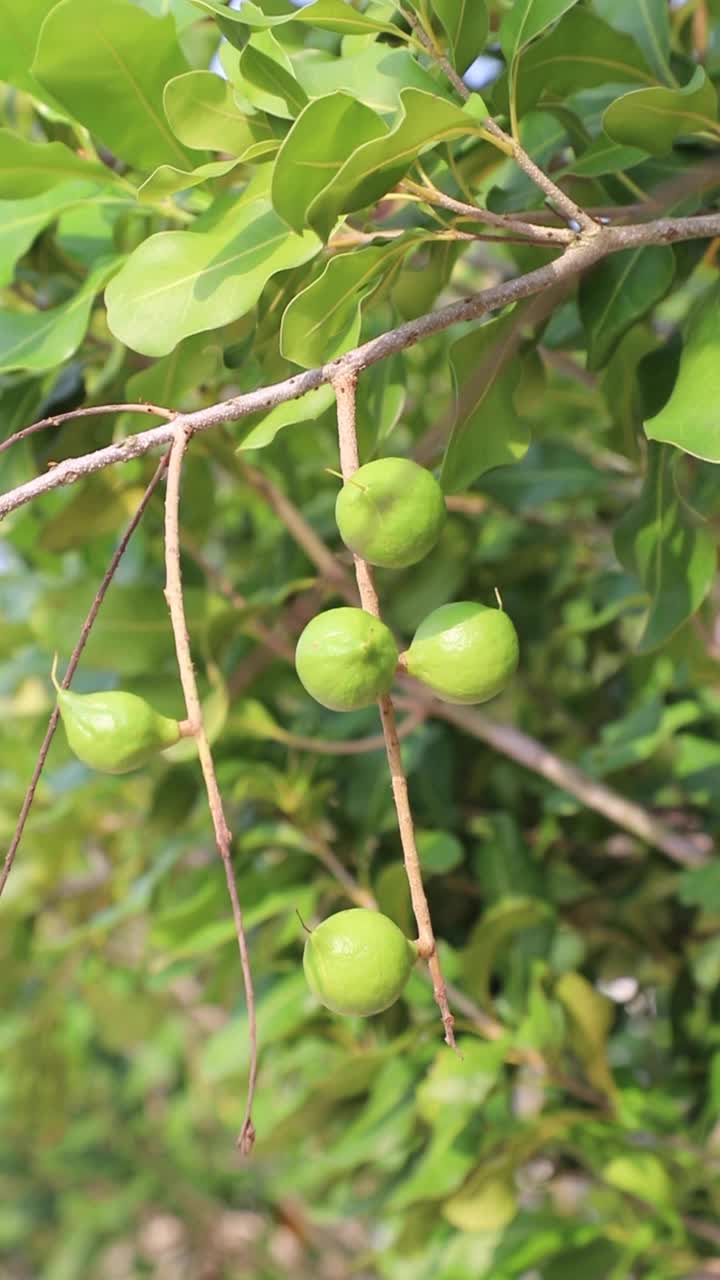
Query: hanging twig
[345, 392]
[176, 605]
[71, 669]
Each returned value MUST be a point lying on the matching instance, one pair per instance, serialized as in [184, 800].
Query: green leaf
[107, 64]
[20, 25]
[22, 220]
[195, 361]
[583, 52]
[322, 321]
[620, 291]
[648, 22]
[509, 916]
[642, 1174]
[375, 75]
[663, 544]
[457, 1084]
[306, 409]
[39, 340]
[654, 118]
[527, 19]
[691, 417]
[167, 180]
[701, 887]
[29, 168]
[487, 431]
[440, 851]
[374, 167]
[591, 1016]
[181, 282]
[604, 156]
[202, 113]
[466, 27]
[327, 15]
[315, 149]
[268, 78]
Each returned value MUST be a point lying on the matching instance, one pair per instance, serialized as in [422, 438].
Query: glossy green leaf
[690, 418]
[29, 168]
[315, 150]
[654, 118]
[308, 408]
[322, 320]
[527, 19]
[375, 75]
[667, 548]
[583, 52]
[182, 282]
[20, 25]
[22, 220]
[466, 27]
[648, 22]
[38, 340]
[486, 1203]
[167, 180]
[202, 113]
[458, 1084]
[374, 167]
[327, 15]
[488, 431]
[107, 64]
[193, 363]
[619, 292]
[268, 79]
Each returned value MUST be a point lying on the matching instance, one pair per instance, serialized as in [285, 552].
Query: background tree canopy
[198, 203]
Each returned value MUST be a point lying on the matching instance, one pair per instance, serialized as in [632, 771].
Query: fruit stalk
[345, 386]
[176, 606]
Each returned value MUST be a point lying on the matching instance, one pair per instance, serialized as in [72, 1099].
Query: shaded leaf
[487, 432]
[22, 220]
[583, 52]
[648, 21]
[268, 78]
[28, 168]
[654, 118]
[38, 340]
[507, 917]
[620, 291]
[466, 27]
[527, 19]
[672, 554]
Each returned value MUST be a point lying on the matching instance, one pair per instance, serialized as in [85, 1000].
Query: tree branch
[72, 668]
[345, 391]
[578, 257]
[88, 411]
[545, 235]
[176, 606]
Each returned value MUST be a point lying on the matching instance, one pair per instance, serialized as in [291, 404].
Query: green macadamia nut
[114, 732]
[358, 962]
[465, 652]
[346, 659]
[390, 512]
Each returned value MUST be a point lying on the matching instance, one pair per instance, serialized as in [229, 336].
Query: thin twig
[345, 392]
[567, 207]
[431, 194]
[71, 669]
[436, 53]
[88, 411]
[176, 606]
[354, 746]
[577, 258]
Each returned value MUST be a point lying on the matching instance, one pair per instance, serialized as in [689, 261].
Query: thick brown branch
[72, 668]
[577, 258]
[176, 605]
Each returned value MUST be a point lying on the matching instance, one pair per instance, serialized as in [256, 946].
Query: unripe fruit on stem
[346, 659]
[390, 512]
[465, 652]
[358, 961]
[114, 732]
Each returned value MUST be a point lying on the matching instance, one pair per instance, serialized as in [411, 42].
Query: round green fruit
[114, 732]
[346, 659]
[390, 512]
[465, 652]
[358, 961]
